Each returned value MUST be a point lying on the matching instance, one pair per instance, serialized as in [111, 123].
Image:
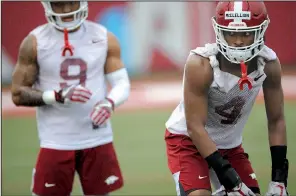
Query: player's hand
[228, 177]
[277, 189]
[73, 93]
[240, 190]
[279, 181]
[102, 111]
[226, 174]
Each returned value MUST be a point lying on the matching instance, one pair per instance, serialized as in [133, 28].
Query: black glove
[280, 164]
[227, 176]
[281, 174]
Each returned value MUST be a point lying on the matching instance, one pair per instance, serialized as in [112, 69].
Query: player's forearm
[278, 150]
[202, 141]
[27, 96]
[120, 83]
[277, 132]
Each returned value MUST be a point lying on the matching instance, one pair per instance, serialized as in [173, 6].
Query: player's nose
[67, 8]
[239, 42]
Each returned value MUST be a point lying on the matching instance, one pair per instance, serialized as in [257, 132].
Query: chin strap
[244, 79]
[67, 46]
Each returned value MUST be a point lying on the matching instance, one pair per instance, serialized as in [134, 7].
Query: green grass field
[141, 150]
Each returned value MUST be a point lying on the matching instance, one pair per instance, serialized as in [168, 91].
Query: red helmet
[240, 16]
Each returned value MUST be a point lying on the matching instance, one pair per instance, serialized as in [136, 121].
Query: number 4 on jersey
[231, 111]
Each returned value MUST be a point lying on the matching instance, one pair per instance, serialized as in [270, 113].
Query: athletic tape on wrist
[49, 97]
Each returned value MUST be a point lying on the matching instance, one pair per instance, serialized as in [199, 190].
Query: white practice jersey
[228, 106]
[69, 127]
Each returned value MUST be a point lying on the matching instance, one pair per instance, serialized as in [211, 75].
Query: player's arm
[198, 78]
[117, 77]
[116, 74]
[274, 104]
[25, 75]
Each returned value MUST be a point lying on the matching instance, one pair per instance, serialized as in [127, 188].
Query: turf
[141, 150]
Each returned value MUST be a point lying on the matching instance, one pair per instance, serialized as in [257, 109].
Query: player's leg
[240, 162]
[99, 170]
[190, 171]
[54, 173]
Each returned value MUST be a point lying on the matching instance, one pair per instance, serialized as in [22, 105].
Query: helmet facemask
[240, 54]
[55, 19]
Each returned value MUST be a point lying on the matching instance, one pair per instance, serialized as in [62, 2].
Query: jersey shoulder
[206, 51]
[268, 54]
[42, 33]
[41, 29]
[96, 30]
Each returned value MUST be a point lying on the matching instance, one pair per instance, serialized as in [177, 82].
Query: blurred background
[155, 39]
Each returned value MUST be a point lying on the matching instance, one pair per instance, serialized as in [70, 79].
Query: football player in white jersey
[220, 85]
[62, 69]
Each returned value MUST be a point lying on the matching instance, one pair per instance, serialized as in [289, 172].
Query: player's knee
[200, 192]
[193, 192]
